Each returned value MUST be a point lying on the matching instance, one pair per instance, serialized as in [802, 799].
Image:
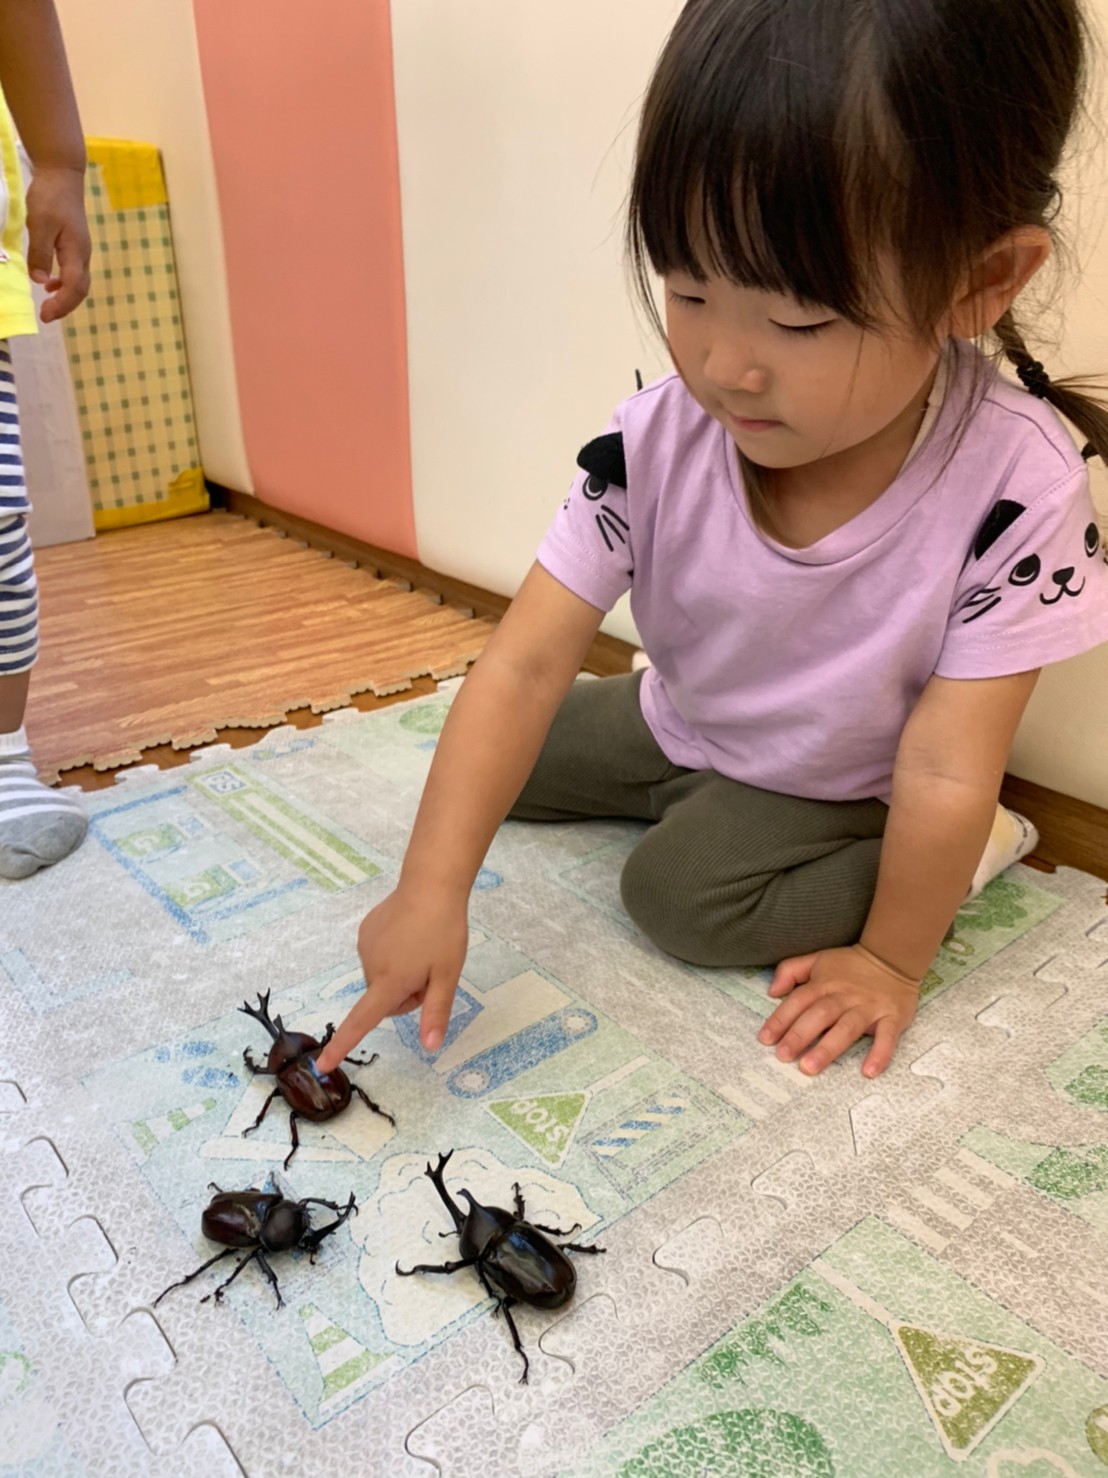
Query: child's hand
[412, 955]
[837, 996]
[56, 228]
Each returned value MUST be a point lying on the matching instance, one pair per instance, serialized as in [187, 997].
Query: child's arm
[34, 76]
[413, 944]
[949, 767]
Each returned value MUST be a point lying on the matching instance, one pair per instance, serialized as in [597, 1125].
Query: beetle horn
[436, 1178]
[260, 1012]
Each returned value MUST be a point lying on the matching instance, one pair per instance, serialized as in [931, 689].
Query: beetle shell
[526, 1266]
[314, 1095]
[236, 1218]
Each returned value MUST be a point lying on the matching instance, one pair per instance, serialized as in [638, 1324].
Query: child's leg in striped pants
[38, 825]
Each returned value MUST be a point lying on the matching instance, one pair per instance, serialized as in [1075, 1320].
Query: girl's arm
[413, 944]
[34, 76]
[949, 768]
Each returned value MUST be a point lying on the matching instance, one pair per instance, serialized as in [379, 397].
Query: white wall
[136, 71]
[516, 127]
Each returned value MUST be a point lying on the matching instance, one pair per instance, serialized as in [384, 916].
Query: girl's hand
[56, 228]
[412, 953]
[837, 996]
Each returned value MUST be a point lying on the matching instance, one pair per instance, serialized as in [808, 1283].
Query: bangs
[765, 157]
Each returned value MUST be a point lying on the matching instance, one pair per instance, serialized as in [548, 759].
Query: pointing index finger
[358, 1023]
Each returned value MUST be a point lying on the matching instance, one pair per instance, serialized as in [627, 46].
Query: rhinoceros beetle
[309, 1093]
[264, 1222]
[513, 1257]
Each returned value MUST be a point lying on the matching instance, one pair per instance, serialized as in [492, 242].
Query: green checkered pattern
[127, 356]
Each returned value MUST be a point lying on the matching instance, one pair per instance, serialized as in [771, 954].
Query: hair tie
[1035, 378]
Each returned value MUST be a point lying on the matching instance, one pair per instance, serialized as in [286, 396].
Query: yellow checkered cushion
[127, 348]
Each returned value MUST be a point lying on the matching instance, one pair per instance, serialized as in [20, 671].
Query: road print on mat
[556, 1095]
[229, 851]
[929, 1372]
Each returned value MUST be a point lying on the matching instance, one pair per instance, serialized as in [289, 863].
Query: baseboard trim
[1072, 833]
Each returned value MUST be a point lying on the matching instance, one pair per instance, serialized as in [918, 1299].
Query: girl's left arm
[949, 768]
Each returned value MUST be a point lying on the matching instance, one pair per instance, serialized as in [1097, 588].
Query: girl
[850, 544]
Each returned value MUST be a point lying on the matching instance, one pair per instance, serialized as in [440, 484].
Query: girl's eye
[683, 299]
[804, 328]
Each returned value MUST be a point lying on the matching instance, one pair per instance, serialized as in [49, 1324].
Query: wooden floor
[171, 634]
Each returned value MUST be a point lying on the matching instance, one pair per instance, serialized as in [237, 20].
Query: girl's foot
[1011, 838]
[38, 826]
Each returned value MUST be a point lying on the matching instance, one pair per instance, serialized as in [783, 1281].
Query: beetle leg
[180, 1283]
[363, 1061]
[217, 1293]
[293, 1116]
[261, 1116]
[376, 1107]
[554, 1231]
[271, 1275]
[446, 1267]
[518, 1194]
[248, 1059]
[576, 1247]
[506, 1305]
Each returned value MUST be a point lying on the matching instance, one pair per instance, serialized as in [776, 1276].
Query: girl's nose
[731, 367]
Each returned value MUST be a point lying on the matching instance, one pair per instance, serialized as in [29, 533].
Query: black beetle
[512, 1256]
[264, 1222]
[309, 1093]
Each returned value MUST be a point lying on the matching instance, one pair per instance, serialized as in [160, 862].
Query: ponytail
[1081, 402]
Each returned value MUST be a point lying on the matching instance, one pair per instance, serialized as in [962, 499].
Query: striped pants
[18, 590]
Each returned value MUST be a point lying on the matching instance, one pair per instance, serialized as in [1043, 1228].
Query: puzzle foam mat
[801, 1278]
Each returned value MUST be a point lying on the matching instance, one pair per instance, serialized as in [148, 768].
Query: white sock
[38, 826]
[1011, 838]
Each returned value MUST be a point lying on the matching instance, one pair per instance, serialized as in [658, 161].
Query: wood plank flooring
[167, 634]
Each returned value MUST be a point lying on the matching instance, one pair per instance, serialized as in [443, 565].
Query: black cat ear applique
[1063, 583]
[604, 461]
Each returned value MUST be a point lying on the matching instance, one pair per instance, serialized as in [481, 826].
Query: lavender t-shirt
[795, 670]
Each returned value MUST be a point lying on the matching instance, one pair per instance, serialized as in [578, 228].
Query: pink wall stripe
[303, 126]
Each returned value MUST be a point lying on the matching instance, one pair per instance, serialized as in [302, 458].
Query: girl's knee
[685, 915]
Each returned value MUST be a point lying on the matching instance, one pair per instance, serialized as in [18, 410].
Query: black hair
[791, 145]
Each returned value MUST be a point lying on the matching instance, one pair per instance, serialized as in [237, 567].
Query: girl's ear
[998, 277]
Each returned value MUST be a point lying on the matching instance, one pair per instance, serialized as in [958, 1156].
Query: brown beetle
[259, 1222]
[309, 1093]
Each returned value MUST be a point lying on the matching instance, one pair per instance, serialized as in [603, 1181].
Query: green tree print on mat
[736, 1444]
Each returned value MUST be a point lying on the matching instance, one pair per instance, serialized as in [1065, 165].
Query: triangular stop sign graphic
[965, 1385]
[544, 1123]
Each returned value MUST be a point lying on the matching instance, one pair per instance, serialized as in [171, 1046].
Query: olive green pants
[726, 874]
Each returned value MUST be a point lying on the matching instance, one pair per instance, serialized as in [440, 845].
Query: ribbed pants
[725, 874]
[18, 590]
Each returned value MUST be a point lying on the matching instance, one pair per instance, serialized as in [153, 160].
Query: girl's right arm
[413, 945]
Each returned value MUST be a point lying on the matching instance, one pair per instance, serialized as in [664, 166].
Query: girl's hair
[796, 145]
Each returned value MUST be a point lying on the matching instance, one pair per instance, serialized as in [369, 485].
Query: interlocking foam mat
[801, 1278]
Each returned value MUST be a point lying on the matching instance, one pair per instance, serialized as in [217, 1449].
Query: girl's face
[792, 383]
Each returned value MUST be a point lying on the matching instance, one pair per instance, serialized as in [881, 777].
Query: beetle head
[481, 1226]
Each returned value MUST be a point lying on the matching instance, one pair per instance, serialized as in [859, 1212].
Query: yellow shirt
[17, 309]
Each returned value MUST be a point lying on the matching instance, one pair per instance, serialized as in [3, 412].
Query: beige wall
[516, 125]
[137, 75]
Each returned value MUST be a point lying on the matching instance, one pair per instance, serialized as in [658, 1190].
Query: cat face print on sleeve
[604, 488]
[1051, 567]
